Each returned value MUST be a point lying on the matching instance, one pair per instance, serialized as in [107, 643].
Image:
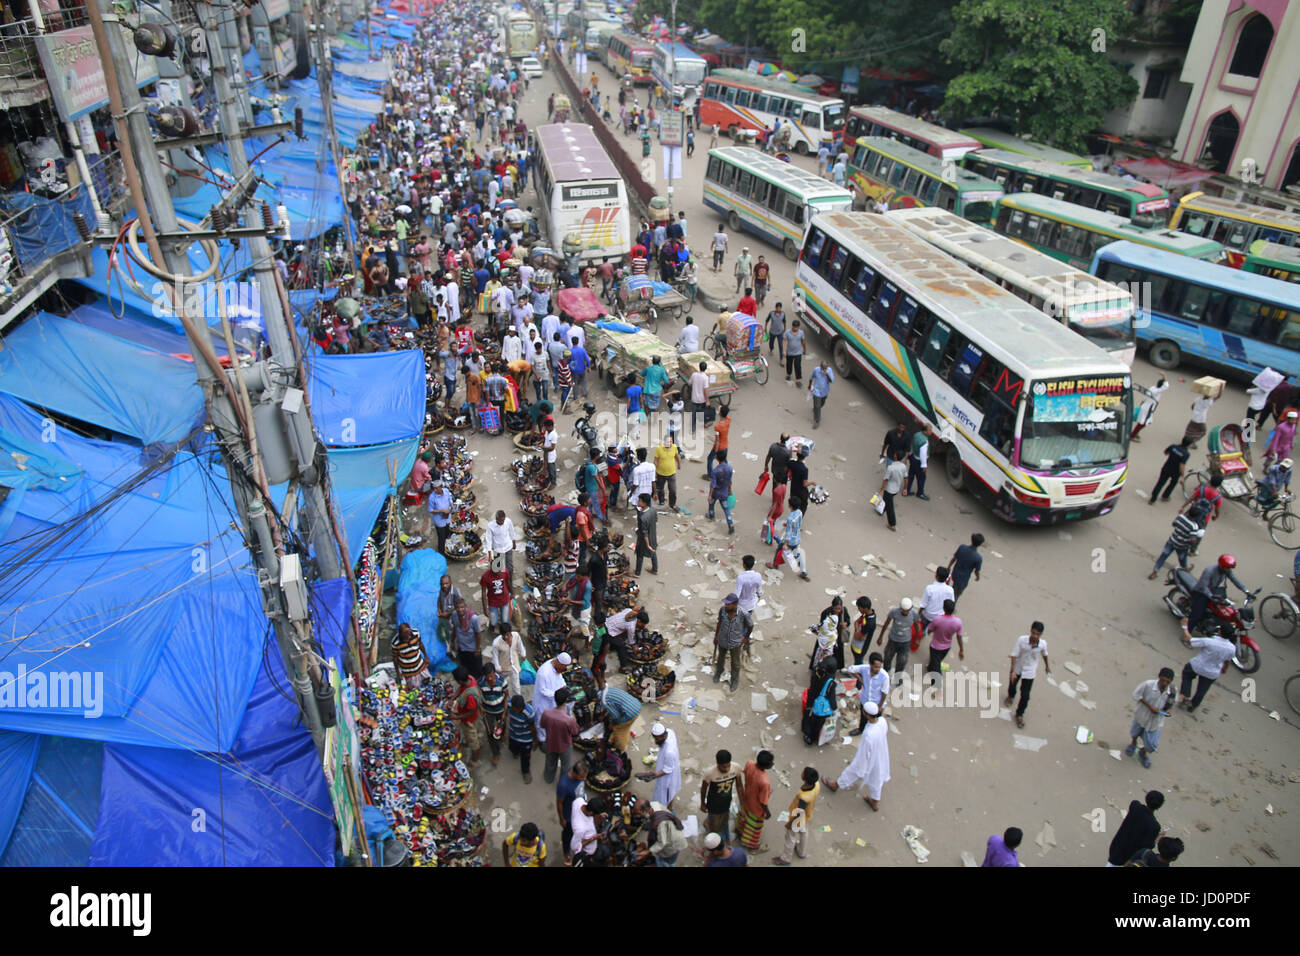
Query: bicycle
[1279, 615]
[1291, 690]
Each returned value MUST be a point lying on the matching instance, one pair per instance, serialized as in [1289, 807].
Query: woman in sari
[821, 701]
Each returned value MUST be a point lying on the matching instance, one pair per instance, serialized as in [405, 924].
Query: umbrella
[767, 69]
[810, 79]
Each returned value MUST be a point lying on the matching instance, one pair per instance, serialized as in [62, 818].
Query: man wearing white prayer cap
[870, 766]
[719, 854]
[668, 767]
[550, 678]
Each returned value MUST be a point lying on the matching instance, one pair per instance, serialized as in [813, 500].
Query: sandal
[1020, 721]
[1146, 761]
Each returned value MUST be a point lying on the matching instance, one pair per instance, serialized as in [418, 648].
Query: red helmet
[1227, 562]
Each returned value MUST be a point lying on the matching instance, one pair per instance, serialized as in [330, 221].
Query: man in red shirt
[466, 707]
[582, 524]
[762, 279]
[748, 304]
[560, 729]
[495, 587]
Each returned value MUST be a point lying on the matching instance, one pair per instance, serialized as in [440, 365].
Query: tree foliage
[1041, 66]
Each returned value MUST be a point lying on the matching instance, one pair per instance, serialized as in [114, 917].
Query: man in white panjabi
[550, 678]
[668, 766]
[870, 766]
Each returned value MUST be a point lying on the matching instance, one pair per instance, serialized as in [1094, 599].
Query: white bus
[768, 197]
[678, 68]
[583, 191]
[521, 34]
[1100, 311]
[1031, 418]
[739, 99]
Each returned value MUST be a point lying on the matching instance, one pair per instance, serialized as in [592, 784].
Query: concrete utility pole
[325, 79]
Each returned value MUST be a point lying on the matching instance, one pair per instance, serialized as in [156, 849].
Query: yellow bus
[628, 55]
[885, 171]
[1234, 224]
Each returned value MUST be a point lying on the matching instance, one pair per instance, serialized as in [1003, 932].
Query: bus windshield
[690, 72]
[1075, 422]
[641, 60]
[834, 116]
[1105, 335]
[978, 210]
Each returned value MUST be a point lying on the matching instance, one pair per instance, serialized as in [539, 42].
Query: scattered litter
[685, 593]
[995, 554]
[690, 827]
[674, 713]
[1083, 735]
[1073, 668]
[771, 718]
[856, 404]
[1115, 754]
[1065, 688]
[484, 792]
[860, 842]
[1080, 687]
[758, 701]
[1088, 704]
[913, 837]
[1065, 536]
[967, 859]
[1269, 809]
[1046, 837]
[1034, 744]
[785, 815]
[846, 741]
[724, 721]
[778, 693]
[1274, 715]
[750, 456]
[746, 434]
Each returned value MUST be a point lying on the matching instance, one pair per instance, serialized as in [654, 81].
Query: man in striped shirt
[408, 654]
[522, 733]
[1186, 530]
[623, 710]
[492, 688]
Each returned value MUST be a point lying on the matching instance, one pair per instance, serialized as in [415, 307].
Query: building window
[1157, 85]
[1252, 47]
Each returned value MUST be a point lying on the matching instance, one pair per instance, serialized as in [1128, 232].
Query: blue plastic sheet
[417, 602]
[57, 819]
[368, 399]
[17, 758]
[42, 228]
[98, 378]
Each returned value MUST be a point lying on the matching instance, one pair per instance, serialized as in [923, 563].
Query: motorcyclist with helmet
[1211, 584]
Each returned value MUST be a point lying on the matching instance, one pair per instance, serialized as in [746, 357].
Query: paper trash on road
[913, 837]
[1034, 744]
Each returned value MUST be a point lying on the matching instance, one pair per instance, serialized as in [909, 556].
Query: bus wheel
[791, 250]
[801, 148]
[1165, 354]
[954, 469]
[733, 221]
[840, 357]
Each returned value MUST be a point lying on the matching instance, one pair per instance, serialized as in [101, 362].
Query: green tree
[1041, 66]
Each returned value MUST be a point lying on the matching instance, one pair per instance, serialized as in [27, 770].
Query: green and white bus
[1100, 311]
[768, 197]
[1073, 233]
[1273, 259]
[1023, 174]
[996, 139]
[885, 171]
[1031, 418]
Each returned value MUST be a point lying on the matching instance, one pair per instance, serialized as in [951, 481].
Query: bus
[599, 32]
[1271, 259]
[996, 139]
[1074, 233]
[770, 198]
[629, 55]
[739, 99]
[1099, 311]
[521, 34]
[678, 68]
[1021, 174]
[927, 137]
[882, 170]
[1031, 418]
[1215, 315]
[1234, 224]
[582, 192]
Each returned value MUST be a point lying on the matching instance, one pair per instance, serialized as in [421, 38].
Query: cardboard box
[1208, 386]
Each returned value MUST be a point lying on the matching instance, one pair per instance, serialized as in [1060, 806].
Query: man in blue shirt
[579, 363]
[819, 383]
[623, 710]
[965, 561]
[720, 489]
[440, 511]
[656, 377]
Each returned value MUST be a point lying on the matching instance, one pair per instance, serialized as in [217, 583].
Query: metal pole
[325, 79]
[672, 98]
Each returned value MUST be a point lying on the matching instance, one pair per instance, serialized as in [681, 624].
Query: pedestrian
[762, 281]
[495, 592]
[774, 329]
[1215, 654]
[943, 630]
[794, 341]
[448, 595]
[1025, 655]
[749, 585]
[409, 656]
[1196, 425]
[571, 787]
[823, 158]
[747, 304]
[918, 462]
[564, 380]
[690, 143]
[632, 432]
[1001, 850]
[720, 490]
[1154, 698]
[647, 521]
[798, 472]
[1138, 831]
[1171, 472]
[864, 628]
[622, 709]
[935, 594]
[440, 512]
[755, 792]
[1208, 494]
[966, 560]
[730, 638]
[891, 485]
[667, 775]
[870, 765]
[1147, 410]
[719, 854]
[586, 820]
[718, 785]
[656, 377]
[721, 439]
[699, 383]
[508, 656]
[522, 731]
[1167, 850]
[800, 813]
[719, 240]
[466, 633]
[898, 624]
[819, 386]
[669, 839]
[549, 680]
[688, 339]
[787, 545]
[713, 139]
[668, 458]
[525, 847]
[492, 691]
[593, 483]
[744, 269]
[1187, 529]
[820, 702]
[550, 444]
[559, 729]
[467, 706]
[1282, 442]
[873, 687]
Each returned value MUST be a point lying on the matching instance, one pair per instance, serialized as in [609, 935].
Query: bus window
[898, 174]
[711, 91]
[929, 188]
[1250, 318]
[743, 183]
[1164, 292]
[811, 119]
[794, 210]
[1290, 332]
[920, 330]
[711, 173]
[1232, 233]
[1116, 206]
[837, 266]
[812, 250]
[791, 109]
[909, 184]
[1070, 240]
[1197, 304]
[884, 304]
[956, 343]
[742, 98]
[759, 102]
[1196, 225]
[946, 198]
[964, 369]
[998, 427]
[777, 200]
[758, 190]
[936, 344]
[729, 95]
[903, 319]
[775, 104]
[728, 176]
[1004, 221]
[863, 285]
[979, 393]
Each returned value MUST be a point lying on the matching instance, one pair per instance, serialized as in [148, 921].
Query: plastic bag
[527, 673]
[878, 503]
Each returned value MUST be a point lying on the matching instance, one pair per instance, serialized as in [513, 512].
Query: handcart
[722, 382]
[635, 296]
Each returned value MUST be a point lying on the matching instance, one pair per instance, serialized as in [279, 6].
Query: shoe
[1153, 575]
[906, 492]
[1009, 700]
[706, 476]
[1146, 761]
[770, 565]
[1020, 721]
[731, 529]
[735, 686]
[923, 497]
[528, 778]
[834, 787]
[873, 804]
[804, 577]
[1130, 750]
[817, 424]
[717, 678]
[780, 861]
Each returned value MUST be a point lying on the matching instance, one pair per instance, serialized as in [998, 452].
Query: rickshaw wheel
[762, 371]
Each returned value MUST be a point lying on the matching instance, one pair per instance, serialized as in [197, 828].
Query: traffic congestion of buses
[1071, 271]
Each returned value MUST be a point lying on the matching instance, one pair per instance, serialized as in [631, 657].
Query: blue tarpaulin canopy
[348, 409]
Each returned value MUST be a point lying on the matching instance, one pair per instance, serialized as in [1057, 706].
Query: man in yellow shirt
[800, 822]
[525, 848]
[668, 458]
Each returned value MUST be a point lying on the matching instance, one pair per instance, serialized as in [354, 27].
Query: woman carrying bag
[821, 706]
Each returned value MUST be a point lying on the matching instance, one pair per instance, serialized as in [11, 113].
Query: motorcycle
[1221, 611]
[584, 431]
